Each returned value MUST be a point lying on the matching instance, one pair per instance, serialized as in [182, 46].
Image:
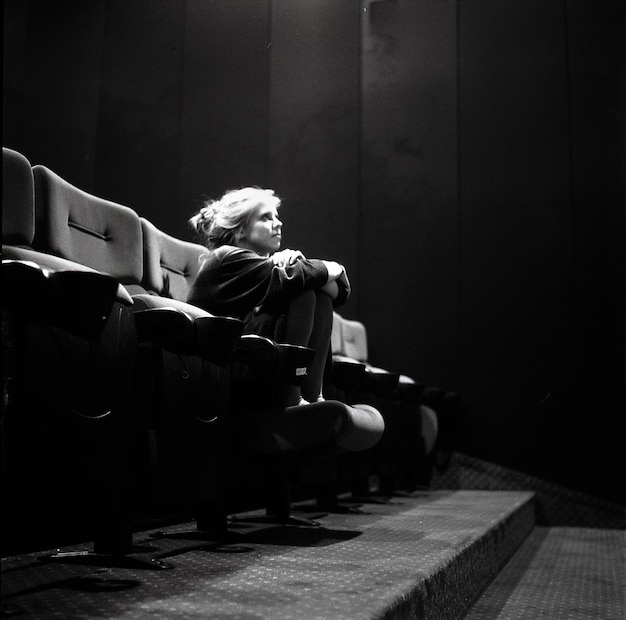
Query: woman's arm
[331, 289]
[338, 283]
[336, 286]
[334, 270]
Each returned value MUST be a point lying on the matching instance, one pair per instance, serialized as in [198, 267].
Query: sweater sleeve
[234, 281]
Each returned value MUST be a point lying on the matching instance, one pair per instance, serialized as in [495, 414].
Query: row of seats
[122, 401]
[117, 392]
[420, 420]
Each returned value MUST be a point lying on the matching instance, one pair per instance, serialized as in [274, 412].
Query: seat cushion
[318, 426]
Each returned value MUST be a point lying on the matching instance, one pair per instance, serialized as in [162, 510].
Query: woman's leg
[309, 323]
[320, 341]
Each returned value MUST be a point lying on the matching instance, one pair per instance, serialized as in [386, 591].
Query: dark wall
[409, 205]
[464, 160]
[313, 146]
[542, 237]
[517, 269]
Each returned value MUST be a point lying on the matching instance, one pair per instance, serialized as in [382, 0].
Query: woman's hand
[335, 270]
[343, 281]
[287, 257]
[337, 284]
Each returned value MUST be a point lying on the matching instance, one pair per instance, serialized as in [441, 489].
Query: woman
[279, 294]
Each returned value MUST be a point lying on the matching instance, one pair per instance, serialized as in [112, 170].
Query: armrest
[382, 382]
[347, 374]
[263, 372]
[74, 300]
[187, 333]
[293, 362]
[84, 300]
[409, 391]
[216, 338]
[288, 361]
[53, 264]
[168, 327]
[24, 286]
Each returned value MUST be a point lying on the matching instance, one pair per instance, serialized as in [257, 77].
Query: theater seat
[403, 458]
[68, 355]
[177, 393]
[259, 428]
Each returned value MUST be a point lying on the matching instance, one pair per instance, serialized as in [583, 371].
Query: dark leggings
[309, 323]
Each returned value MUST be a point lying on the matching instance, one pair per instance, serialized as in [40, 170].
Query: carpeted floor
[555, 505]
[424, 556]
[560, 573]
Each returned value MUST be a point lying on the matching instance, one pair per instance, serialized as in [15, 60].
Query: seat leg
[278, 497]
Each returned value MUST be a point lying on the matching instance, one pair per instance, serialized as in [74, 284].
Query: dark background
[465, 160]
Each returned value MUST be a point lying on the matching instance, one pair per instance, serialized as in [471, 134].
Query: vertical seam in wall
[95, 180]
[570, 164]
[181, 97]
[568, 97]
[268, 89]
[459, 210]
[359, 189]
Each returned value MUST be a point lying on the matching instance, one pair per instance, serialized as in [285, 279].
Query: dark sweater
[239, 283]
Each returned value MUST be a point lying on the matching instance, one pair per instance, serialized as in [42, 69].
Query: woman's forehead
[264, 208]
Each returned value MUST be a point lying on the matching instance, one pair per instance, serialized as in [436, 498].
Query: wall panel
[224, 99]
[408, 228]
[58, 113]
[516, 235]
[14, 41]
[314, 127]
[596, 77]
[138, 129]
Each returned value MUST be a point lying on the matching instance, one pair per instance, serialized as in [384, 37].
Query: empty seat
[68, 355]
[412, 425]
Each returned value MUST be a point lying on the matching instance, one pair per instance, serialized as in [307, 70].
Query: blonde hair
[222, 222]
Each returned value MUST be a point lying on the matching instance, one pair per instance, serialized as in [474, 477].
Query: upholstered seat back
[170, 265]
[86, 229]
[349, 338]
[18, 199]
[336, 335]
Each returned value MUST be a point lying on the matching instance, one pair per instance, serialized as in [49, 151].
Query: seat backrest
[336, 335]
[95, 232]
[170, 265]
[349, 338]
[18, 199]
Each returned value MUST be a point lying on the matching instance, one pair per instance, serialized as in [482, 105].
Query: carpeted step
[560, 573]
[425, 556]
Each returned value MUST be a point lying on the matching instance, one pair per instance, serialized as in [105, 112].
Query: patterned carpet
[555, 505]
[560, 574]
[424, 556]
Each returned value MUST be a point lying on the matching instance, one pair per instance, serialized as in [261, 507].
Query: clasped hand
[287, 257]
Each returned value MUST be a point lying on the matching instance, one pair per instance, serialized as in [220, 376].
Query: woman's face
[263, 232]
